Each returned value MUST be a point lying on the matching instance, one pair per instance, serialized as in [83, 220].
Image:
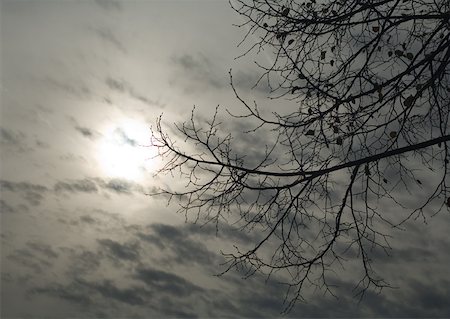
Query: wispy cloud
[203, 72]
[120, 186]
[121, 86]
[17, 141]
[107, 288]
[93, 185]
[11, 137]
[71, 294]
[110, 38]
[109, 5]
[199, 72]
[5, 208]
[73, 87]
[43, 249]
[32, 193]
[83, 186]
[86, 132]
[35, 255]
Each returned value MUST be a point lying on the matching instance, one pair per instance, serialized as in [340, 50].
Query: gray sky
[81, 84]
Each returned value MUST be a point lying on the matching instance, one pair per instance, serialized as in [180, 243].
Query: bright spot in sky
[126, 150]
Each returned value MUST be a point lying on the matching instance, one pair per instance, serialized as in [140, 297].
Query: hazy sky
[82, 82]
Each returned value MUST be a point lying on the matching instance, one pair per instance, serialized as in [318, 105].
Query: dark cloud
[173, 294]
[33, 193]
[131, 296]
[86, 293]
[128, 252]
[5, 208]
[172, 308]
[165, 282]
[252, 146]
[123, 138]
[71, 293]
[86, 132]
[93, 185]
[81, 261]
[83, 130]
[88, 219]
[180, 248]
[120, 186]
[430, 300]
[414, 300]
[75, 186]
[17, 141]
[26, 258]
[186, 244]
[11, 137]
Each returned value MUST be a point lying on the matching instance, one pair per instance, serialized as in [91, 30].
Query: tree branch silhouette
[369, 93]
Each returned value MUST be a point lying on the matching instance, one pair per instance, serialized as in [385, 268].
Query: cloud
[10, 137]
[108, 37]
[76, 89]
[124, 87]
[75, 186]
[72, 293]
[25, 258]
[42, 249]
[93, 185]
[89, 294]
[14, 140]
[430, 300]
[128, 252]
[109, 5]
[123, 138]
[120, 186]
[132, 296]
[223, 231]
[81, 261]
[36, 256]
[70, 157]
[88, 219]
[205, 73]
[248, 80]
[86, 132]
[165, 282]
[33, 193]
[185, 244]
[180, 249]
[5, 208]
[200, 69]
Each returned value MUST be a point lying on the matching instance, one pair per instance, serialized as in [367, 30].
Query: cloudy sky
[82, 82]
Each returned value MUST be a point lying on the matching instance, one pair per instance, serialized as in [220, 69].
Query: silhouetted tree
[368, 83]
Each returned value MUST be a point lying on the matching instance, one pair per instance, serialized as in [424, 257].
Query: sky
[82, 83]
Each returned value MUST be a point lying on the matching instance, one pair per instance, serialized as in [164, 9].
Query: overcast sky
[82, 82]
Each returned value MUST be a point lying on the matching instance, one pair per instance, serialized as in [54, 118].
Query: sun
[125, 150]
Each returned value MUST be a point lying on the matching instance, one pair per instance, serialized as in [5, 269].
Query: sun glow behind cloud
[125, 150]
